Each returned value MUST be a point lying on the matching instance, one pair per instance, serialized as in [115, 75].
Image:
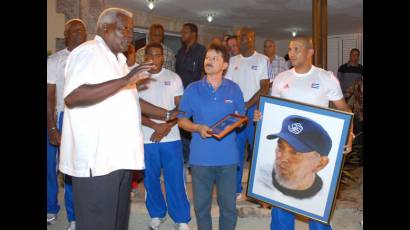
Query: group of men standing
[121, 117]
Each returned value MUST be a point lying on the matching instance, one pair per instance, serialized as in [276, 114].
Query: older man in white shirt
[102, 139]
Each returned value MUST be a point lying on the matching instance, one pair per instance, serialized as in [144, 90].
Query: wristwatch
[52, 129]
[167, 115]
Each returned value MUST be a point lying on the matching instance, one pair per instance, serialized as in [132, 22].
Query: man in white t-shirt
[74, 34]
[249, 70]
[312, 85]
[163, 147]
[102, 138]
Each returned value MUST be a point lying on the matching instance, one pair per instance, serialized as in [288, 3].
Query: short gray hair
[109, 16]
[67, 25]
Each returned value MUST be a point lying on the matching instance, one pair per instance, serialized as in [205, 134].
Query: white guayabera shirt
[106, 136]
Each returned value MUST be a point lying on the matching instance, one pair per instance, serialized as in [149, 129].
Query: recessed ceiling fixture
[210, 17]
[151, 4]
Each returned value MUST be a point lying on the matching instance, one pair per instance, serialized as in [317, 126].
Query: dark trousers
[102, 202]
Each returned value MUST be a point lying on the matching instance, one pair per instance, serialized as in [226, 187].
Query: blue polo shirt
[207, 106]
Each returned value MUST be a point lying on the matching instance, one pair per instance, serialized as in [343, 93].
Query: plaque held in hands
[227, 124]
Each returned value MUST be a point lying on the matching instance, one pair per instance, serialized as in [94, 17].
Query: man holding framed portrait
[308, 84]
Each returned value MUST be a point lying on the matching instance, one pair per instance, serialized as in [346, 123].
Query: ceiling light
[210, 17]
[151, 4]
[293, 34]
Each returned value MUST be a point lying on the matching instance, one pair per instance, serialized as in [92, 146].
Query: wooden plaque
[227, 124]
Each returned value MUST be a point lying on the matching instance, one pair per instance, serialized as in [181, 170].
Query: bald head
[74, 33]
[306, 41]
[300, 52]
[73, 22]
[246, 29]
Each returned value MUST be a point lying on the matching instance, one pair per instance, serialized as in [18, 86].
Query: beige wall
[282, 47]
[206, 32]
[259, 43]
[55, 25]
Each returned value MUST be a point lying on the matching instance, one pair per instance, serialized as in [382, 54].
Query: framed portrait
[298, 156]
[224, 126]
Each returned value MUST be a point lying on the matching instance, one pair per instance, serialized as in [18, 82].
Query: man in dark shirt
[350, 72]
[190, 57]
[190, 67]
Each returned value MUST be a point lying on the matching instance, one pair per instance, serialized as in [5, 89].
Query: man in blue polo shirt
[211, 160]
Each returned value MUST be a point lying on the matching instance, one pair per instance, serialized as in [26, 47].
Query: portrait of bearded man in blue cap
[302, 151]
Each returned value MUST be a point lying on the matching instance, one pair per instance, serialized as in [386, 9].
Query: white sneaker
[71, 225]
[181, 226]
[134, 193]
[51, 218]
[156, 223]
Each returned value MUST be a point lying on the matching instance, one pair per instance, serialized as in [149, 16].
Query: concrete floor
[347, 215]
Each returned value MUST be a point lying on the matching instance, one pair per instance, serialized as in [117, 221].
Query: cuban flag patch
[254, 67]
[315, 86]
[167, 83]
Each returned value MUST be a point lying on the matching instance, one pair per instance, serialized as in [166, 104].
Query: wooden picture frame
[224, 126]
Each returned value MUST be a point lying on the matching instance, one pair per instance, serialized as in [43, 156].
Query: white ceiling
[269, 18]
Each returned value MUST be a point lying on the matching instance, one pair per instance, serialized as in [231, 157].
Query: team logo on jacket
[254, 67]
[227, 101]
[315, 86]
[167, 83]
